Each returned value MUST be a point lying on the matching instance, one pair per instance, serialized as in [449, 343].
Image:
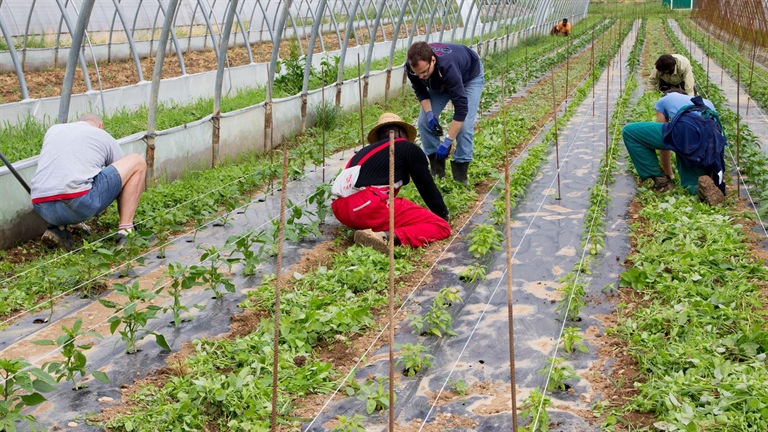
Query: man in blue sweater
[439, 73]
[642, 139]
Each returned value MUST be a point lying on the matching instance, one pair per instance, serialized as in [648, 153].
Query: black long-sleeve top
[456, 65]
[410, 163]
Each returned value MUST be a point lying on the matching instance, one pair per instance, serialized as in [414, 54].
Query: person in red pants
[362, 191]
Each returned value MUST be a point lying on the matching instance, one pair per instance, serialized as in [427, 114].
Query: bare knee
[129, 165]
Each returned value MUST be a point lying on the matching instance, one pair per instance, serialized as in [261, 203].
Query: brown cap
[391, 119]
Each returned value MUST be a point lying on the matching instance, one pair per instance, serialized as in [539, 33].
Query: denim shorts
[106, 187]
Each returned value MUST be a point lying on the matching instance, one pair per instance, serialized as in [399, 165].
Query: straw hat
[391, 119]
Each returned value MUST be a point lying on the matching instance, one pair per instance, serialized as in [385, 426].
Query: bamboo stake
[738, 135]
[508, 225]
[557, 148]
[278, 287]
[567, 67]
[592, 72]
[751, 70]
[607, 96]
[708, 51]
[391, 280]
[360, 95]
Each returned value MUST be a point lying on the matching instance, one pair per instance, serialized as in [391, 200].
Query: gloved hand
[444, 149]
[434, 126]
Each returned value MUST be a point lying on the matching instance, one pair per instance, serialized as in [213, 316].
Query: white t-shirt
[72, 155]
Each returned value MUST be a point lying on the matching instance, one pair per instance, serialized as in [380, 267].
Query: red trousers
[414, 225]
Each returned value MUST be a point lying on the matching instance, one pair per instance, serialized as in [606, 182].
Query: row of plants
[753, 162]
[698, 338]
[573, 285]
[413, 357]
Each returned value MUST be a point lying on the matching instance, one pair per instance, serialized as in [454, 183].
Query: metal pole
[14, 172]
[222, 59]
[154, 90]
[322, 115]
[74, 55]
[15, 59]
[607, 97]
[557, 147]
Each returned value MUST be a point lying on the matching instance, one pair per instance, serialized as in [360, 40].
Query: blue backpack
[696, 136]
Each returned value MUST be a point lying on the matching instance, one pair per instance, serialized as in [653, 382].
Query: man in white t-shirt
[81, 171]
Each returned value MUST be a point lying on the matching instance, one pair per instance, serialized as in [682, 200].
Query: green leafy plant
[483, 240]
[437, 320]
[245, 245]
[559, 373]
[458, 386]
[472, 273]
[212, 275]
[539, 420]
[22, 387]
[133, 318]
[413, 358]
[182, 279]
[74, 360]
[346, 424]
[375, 394]
[572, 340]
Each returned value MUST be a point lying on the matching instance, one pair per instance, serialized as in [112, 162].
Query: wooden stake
[557, 148]
[360, 95]
[322, 110]
[738, 134]
[391, 305]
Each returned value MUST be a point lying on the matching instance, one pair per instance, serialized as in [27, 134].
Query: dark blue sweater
[456, 65]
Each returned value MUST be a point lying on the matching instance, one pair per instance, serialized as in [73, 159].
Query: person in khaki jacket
[673, 70]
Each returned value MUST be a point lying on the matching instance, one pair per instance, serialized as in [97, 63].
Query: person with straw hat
[362, 191]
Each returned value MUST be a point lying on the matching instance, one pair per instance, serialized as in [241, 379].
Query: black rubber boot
[459, 170]
[436, 166]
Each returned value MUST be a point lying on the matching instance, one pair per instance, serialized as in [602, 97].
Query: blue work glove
[444, 149]
[434, 126]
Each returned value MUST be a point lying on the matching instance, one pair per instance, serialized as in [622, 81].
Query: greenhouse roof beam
[208, 25]
[347, 37]
[245, 36]
[376, 24]
[131, 42]
[155, 90]
[74, 55]
[74, 34]
[14, 58]
[224, 40]
[395, 37]
[173, 37]
[310, 51]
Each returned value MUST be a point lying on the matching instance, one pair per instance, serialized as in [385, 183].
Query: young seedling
[460, 386]
[212, 276]
[472, 273]
[438, 320]
[483, 240]
[74, 360]
[413, 358]
[245, 245]
[572, 340]
[530, 411]
[320, 199]
[560, 373]
[182, 278]
[375, 394]
[133, 318]
[22, 387]
[346, 424]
